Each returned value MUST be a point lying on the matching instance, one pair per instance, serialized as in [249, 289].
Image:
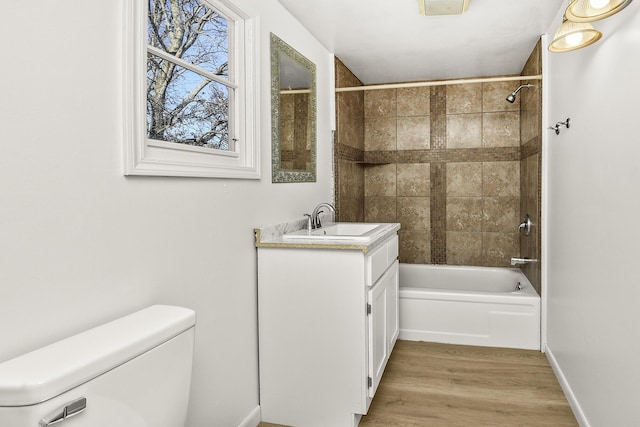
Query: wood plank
[430, 384]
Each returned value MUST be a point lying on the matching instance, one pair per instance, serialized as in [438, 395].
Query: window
[190, 90]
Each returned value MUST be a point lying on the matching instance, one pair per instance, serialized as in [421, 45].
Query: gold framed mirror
[293, 114]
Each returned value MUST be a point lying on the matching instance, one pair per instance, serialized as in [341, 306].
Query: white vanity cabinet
[328, 320]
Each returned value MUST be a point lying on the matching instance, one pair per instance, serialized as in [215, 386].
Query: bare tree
[184, 106]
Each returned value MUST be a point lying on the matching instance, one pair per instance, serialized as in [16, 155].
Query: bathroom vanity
[328, 320]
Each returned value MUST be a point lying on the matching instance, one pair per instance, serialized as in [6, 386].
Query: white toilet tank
[132, 372]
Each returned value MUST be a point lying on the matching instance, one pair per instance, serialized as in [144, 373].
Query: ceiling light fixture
[574, 35]
[575, 32]
[442, 7]
[594, 10]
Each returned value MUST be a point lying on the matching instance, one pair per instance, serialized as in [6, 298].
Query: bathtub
[494, 307]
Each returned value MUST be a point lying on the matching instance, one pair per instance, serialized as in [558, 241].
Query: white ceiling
[388, 41]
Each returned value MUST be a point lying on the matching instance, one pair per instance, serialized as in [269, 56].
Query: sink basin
[355, 231]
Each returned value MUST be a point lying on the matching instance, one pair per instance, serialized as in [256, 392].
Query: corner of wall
[568, 392]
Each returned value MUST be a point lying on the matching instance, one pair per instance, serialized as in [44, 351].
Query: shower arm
[515, 92]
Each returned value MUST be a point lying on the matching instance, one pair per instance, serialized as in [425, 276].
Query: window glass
[191, 105]
[188, 106]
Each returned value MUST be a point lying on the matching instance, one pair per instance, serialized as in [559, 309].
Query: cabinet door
[378, 341]
[393, 323]
[383, 324]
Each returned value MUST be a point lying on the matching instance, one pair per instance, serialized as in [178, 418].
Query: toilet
[132, 372]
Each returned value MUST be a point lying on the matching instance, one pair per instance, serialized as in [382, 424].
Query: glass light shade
[574, 35]
[594, 10]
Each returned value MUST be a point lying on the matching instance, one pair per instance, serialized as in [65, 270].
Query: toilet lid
[52, 370]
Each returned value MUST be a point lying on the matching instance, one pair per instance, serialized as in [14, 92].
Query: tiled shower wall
[531, 167]
[444, 161]
[348, 148]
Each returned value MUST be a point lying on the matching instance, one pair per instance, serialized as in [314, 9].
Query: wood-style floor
[429, 384]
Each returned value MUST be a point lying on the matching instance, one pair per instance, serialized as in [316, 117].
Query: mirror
[293, 114]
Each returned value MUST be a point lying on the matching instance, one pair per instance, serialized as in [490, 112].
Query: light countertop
[271, 236]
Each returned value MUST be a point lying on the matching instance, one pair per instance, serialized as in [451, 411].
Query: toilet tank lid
[49, 371]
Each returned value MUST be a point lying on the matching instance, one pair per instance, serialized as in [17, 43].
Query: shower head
[512, 96]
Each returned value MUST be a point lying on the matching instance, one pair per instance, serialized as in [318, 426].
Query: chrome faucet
[315, 216]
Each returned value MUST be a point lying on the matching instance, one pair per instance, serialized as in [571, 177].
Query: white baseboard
[566, 388]
[253, 419]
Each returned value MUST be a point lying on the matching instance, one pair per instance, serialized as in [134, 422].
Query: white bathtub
[469, 305]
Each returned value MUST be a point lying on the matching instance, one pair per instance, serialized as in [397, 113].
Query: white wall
[592, 238]
[80, 244]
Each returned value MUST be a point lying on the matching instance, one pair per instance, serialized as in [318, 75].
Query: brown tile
[414, 213]
[344, 76]
[350, 119]
[464, 248]
[413, 179]
[464, 179]
[501, 179]
[530, 124]
[464, 98]
[380, 133]
[531, 112]
[501, 214]
[351, 177]
[351, 210]
[380, 180]
[529, 186]
[380, 209]
[464, 130]
[380, 103]
[501, 129]
[531, 148]
[498, 248]
[414, 101]
[413, 133]
[415, 246]
[464, 214]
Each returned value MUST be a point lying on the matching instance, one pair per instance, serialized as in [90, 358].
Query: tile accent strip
[347, 152]
[438, 176]
[484, 154]
[438, 171]
[531, 148]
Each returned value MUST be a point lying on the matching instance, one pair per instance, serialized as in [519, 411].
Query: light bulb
[598, 4]
[574, 39]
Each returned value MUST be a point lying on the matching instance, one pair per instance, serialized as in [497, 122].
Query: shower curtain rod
[439, 83]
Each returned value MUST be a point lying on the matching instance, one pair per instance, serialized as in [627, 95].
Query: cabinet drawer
[380, 259]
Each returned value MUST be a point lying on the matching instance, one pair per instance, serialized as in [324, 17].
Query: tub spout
[517, 261]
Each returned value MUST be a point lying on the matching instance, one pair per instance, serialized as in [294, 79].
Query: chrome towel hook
[556, 128]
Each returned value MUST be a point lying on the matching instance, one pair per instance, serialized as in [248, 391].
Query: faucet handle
[318, 224]
[525, 225]
[309, 222]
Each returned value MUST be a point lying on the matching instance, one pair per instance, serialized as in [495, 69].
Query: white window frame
[143, 156]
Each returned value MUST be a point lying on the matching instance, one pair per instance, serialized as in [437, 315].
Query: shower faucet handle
[525, 225]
